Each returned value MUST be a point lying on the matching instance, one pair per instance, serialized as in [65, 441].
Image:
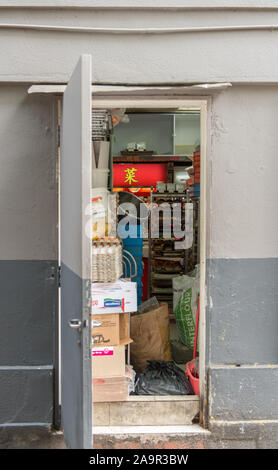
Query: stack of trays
[196, 165]
[110, 315]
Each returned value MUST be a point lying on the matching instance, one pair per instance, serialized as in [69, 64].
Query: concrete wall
[50, 56]
[242, 270]
[28, 256]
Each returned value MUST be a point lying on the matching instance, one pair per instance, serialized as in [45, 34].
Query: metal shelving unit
[175, 262]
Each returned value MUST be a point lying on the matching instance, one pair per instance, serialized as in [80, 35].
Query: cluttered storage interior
[145, 253]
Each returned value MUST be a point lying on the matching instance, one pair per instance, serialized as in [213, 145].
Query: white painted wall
[187, 129]
[28, 180]
[243, 173]
[50, 56]
[244, 121]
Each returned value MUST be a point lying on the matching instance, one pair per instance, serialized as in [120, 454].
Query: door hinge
[59, 276]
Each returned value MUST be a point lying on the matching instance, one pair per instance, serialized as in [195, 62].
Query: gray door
[76, 409]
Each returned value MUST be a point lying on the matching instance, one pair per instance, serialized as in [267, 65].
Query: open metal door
[76, 382]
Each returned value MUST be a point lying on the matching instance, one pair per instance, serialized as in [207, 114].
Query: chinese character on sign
[130, 175]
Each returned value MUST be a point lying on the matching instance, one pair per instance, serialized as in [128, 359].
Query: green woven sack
[186, 289]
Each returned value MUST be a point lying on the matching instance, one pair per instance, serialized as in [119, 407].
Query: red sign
[139, 174]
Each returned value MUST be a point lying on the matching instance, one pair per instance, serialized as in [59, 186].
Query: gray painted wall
[28, 179]
[252, 389]
[243, 312]
[26, 396]
[28, 256]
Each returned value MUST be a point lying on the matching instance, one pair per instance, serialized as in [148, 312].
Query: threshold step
[160, 411]
[163, 397]
[113, 430]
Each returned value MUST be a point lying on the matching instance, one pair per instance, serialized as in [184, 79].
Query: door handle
[75, 324]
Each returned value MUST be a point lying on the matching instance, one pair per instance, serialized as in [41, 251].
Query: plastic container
[135, 250]
[103, 158]
[134, 236]
[100, 177]
[99, 214]
[100, 194]
[160, 186]
[194, 381]
[171, 187]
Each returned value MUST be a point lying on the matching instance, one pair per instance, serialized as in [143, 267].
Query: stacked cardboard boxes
[194, 182]
[112, 304]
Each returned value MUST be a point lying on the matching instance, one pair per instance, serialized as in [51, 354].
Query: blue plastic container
[133, 244]
[133, 233]
[135, 250]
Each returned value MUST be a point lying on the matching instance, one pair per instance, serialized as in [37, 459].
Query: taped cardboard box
[113, 388]
[110, 389]
[113, 331]
[150, 332]
[108, 361]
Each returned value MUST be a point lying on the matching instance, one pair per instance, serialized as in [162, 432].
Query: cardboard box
[114, 330]
[114, 297]
[110, 389]
[113, 388]
[108, 361]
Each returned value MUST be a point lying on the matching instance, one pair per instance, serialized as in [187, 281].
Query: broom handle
[196, 328]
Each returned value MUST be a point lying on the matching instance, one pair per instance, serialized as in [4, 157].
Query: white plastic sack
[185, 299]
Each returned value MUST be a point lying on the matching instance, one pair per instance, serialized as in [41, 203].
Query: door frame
[203, 103]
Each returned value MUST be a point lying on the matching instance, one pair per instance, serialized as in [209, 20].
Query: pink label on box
[109, 351]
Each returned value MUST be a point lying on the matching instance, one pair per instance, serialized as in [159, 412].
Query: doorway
[79, 99]
[173, 111]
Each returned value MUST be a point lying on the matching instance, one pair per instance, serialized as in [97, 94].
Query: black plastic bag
[162, 378]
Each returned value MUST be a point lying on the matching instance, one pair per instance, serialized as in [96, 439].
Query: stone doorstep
[169, 442]
[150, 437]
[189, 430]
[237, 435]
[264, 436]
[138, 412]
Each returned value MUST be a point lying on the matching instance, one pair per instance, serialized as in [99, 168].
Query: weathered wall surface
[28, 256]
[50, 56]
[244, 169]
[242, 269]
